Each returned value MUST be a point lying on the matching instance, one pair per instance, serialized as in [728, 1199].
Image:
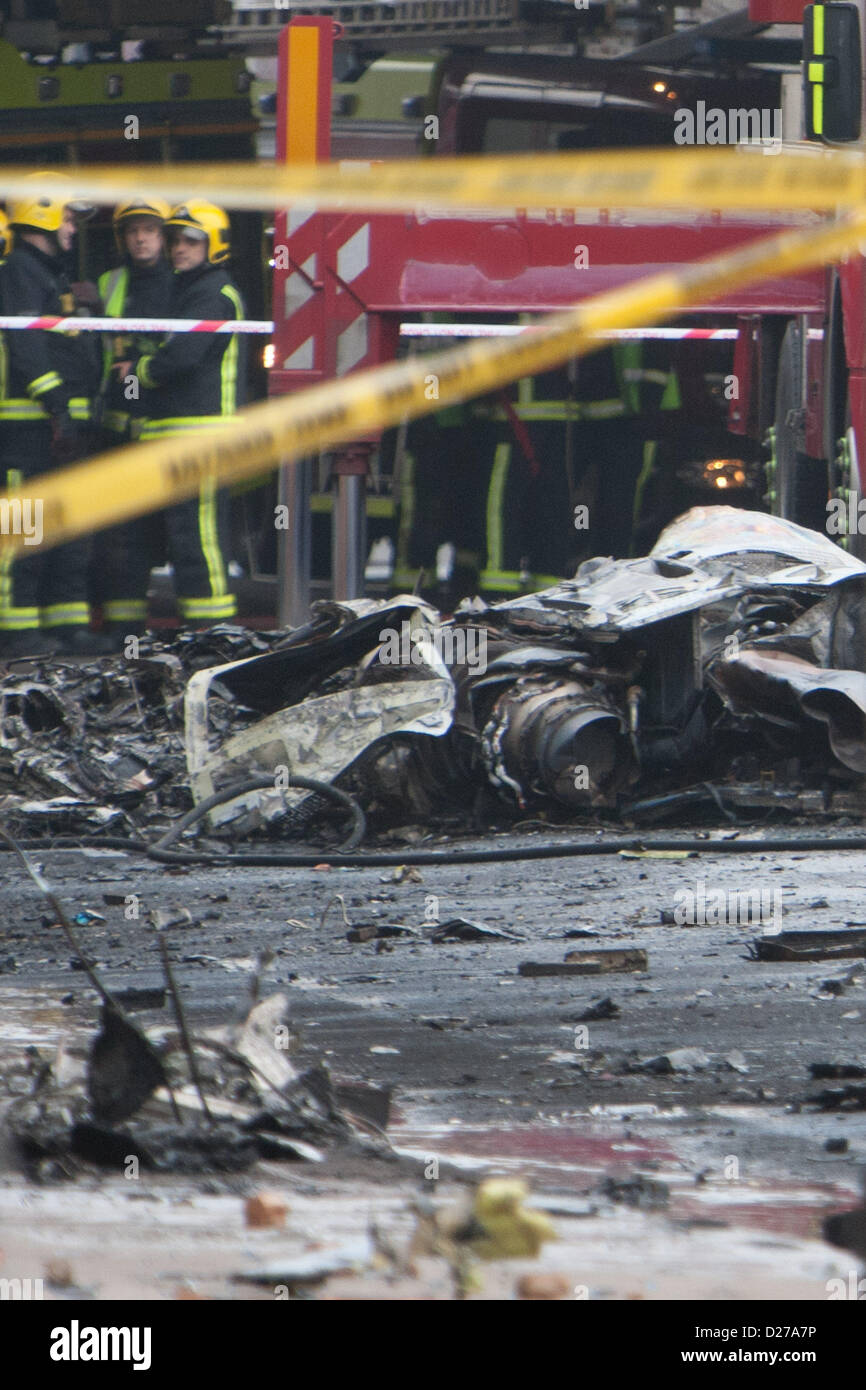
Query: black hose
[266, 782]
[502, 855]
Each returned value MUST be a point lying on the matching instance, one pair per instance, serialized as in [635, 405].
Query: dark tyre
[798, 484]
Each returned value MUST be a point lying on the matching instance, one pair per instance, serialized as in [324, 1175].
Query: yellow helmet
[5, 236]
[198, 216]
[44, 212]
[137, 207]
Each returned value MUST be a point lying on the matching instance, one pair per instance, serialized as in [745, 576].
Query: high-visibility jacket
[44, 373]
[136, 292]
[195, 380]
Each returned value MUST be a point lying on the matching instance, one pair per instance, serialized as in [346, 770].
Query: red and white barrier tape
[511, 330]
[105, 325]
[407, 330]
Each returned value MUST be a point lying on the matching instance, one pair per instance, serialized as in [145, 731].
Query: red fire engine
[794, 349]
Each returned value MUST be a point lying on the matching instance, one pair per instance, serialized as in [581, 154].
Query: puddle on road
[783, 1209]
[579, 1155]
[540, 1151]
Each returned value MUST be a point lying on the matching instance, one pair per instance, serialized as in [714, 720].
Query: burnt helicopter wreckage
[727, 666]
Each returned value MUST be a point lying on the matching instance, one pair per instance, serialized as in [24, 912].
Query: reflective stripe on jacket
[194, 379]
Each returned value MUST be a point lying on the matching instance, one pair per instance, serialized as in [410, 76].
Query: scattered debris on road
[636, 1191]
[596, 1013]
[593, 962]
[313, 1268]
[119, 1103]
[460, 929]
[682, 1059]
[848, 1230]
[265, 1209]
[810, 945]
[171, 1101]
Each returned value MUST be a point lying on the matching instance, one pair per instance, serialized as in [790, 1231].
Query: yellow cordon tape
[740, 177]
[142, 478]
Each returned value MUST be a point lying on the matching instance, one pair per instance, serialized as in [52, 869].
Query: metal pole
[351, 464]
[349, 536]
[294, 544]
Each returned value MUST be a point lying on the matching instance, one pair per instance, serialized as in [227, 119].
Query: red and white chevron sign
[323, 328]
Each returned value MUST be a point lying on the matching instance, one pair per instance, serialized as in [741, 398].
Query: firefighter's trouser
[441, 497]
[194, 539]
[42, 588]
[194, 530]
[123, 557]
[529, 533]
[533, 540]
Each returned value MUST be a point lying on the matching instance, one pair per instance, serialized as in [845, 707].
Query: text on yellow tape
[728, 179]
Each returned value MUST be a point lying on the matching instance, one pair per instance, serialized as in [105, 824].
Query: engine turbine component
[559, 739]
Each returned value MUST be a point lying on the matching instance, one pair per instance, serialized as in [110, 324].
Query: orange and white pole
[304, 76]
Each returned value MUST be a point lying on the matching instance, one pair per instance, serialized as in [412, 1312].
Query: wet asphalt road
[488, 1064]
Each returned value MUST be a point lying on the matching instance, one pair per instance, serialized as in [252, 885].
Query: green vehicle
[113, 81]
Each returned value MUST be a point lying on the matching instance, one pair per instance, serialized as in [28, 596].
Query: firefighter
[567, 459]
[194, 381]
[140, 287]
[45, 398]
